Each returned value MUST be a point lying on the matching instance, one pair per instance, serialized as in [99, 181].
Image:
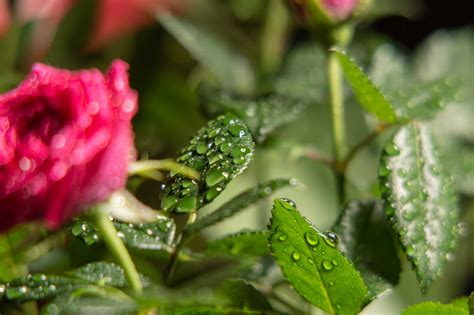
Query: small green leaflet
[262, 115]
[434, 308]
[214, 52]
[312, 263]
[238, 203]
[40, 286]
[245, 243]
[365, 237]
[420, 200]
[368, 95]
[220, 151]
[156, 235]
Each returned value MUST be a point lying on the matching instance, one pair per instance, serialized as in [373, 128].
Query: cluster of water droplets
[29, 287]
[154, 236]
[312, 239]
[420, 199]
[220, 151]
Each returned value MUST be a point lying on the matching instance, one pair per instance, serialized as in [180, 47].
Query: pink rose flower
[338, 10]
[65, 142]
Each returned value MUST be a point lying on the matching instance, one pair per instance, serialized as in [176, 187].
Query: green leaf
[420, 200]
[411, 97]
[238, 203]
[471, 303]
[244, 295]
[149, 236]
[434, 308]
[87, 278]
[214, 52]
[365, 237]
[461, 302]
[312, 263]
[245, 243]
[220, 151]
[37, 287]
[368, 95]
[103, 273]
[262, 115]
[296, 82]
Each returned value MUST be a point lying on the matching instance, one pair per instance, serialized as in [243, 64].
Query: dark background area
[434, 14]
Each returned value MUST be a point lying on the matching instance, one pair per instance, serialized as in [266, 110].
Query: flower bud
[325, 12]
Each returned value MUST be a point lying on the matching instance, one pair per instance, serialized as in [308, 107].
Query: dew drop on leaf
[282, 237]
[331, 239]
[311, 238]
[296, 256]
[288, 202]
[327, 265]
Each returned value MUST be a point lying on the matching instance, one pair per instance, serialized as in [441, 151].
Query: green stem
[337, 111]
[118, 249]
[273, 38]
[183, 239]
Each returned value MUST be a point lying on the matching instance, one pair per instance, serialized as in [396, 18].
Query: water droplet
[2, 288]
[410, 250]
[120, 234]
[331, 239]
[214, 177]
[331, 283]
[93, 108]
[327, 265]
[25, 164]
[296, 256]
[338, 306]
[391, 149]
[311, 238]
[239, 160]
[201, 147]
[149, 232]
[225, 147]
[168, 202]
[311, 262]
[128, 106]
[186, 204]
[282, 237]
[212, 193]
[16, 292]
[334, 262]
[288, 204]
[237, 131]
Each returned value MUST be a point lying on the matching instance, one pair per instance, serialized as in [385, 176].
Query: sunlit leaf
[312, 263]
[238, 203]
[365, 237]
[420, 200]
[368, 95]
[219, 152]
